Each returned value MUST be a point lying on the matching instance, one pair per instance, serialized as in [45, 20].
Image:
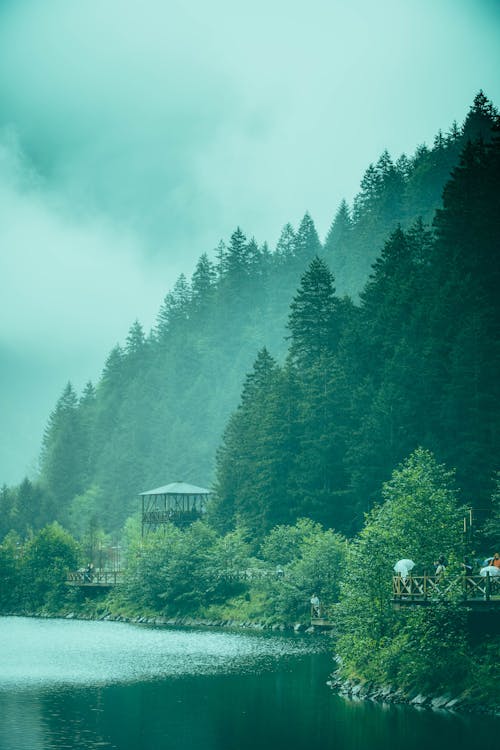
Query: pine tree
[338, 246]
[174, 311]
[480, 119]
[203, 283]
[339, 232]
[237, 257]
[312, 324]
[239, 496]
[286, 246]
[62, 461]
[307, 243]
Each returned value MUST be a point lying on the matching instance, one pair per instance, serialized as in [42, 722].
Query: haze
[133, 136]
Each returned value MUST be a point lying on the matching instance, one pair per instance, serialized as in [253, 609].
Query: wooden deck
[100, 579]
[322, 623]
[473, 591]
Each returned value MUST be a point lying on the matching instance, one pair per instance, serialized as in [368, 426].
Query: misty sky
[135, 135]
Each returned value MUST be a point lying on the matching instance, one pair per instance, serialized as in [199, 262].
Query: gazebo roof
[177, 488]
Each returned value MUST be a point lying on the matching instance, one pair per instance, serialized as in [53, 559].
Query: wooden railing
[418, 588]
[96, 578]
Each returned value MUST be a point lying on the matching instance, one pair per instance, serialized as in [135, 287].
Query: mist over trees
[381, 339]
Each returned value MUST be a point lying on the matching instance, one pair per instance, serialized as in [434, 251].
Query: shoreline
[350, 689]
[178, 622]
[356, 690]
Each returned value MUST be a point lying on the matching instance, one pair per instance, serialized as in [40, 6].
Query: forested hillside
[372, 366]
[415, 363]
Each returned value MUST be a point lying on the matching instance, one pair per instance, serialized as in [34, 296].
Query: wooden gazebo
[177, 502]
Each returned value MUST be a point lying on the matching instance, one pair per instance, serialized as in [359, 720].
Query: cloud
[67, 283]
[71, 287]
[134, 135]
[180, 120]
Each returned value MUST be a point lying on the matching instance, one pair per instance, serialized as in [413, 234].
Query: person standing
[440, 565]
[315, 606]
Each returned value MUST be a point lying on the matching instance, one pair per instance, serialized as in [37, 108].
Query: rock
[440, 701]
[385, 692]
[419, 700]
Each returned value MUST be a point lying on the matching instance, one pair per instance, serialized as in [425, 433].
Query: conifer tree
[286, 246]
[312, 325]
[338, 246]
[237, 257]
[307, 243]
[174, 311]
[61, 459]
[339, 232]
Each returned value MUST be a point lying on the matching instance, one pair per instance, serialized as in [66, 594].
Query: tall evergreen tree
[338, 247]
[312, 324]
[307, 243]
[286, 246]
[62, 463]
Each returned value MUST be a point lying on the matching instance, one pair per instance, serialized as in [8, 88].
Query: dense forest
[381, 339]
[366, 424]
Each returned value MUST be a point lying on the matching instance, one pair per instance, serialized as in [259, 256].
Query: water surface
[89, 685]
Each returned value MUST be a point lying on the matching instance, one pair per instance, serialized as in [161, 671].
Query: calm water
[86, 685]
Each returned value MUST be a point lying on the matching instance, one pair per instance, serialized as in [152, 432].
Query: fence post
[425, 584]
[488, 587]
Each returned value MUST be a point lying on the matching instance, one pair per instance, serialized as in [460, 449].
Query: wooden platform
[100, 579]
[475, 592]
[321, 622]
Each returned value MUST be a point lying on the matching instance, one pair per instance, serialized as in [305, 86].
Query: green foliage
[85, 512]
[47, 558]
[176, 571]
[487, 536]
[430, 650]
[283, 544]
[307, 560]
[312, 320]
[23, 507]
[418, 519]
[10, 572]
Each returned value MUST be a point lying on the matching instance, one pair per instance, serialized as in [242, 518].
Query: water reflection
[278, 699]
[42, 652]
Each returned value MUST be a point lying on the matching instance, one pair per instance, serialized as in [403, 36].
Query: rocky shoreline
[357, 690]
[178, 622]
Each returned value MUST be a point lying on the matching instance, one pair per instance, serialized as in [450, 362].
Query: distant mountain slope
[160, 407]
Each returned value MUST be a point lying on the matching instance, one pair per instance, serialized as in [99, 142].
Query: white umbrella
[489, 569]
[404, 567]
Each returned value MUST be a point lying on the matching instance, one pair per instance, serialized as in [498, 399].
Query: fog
[133, 136]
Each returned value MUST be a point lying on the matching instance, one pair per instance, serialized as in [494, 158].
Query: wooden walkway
[473, 591]
[99, 579]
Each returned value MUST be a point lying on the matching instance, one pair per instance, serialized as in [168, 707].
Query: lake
[85, 685]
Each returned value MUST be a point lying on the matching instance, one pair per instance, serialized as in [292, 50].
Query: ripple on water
[46, 652]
